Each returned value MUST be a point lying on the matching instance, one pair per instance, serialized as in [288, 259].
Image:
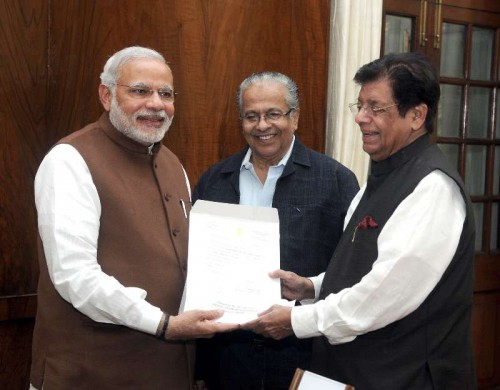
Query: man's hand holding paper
[275, 322]
[197, 324]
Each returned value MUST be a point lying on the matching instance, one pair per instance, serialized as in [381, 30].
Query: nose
[262, 122]
[362, 116]
[155, 102]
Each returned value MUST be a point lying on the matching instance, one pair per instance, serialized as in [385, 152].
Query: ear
[295, 118]
[105, 96]
[418, 115]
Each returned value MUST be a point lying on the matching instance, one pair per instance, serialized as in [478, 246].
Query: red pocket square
[366, 223]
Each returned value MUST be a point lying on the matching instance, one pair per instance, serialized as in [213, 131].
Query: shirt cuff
[304, 321]
[317, 281]
[150, 319]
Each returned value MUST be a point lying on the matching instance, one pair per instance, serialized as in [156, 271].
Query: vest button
[167, 197]
[184, 266]
[176, 232]
[258, 344]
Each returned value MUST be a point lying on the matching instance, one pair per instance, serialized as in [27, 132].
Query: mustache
[151, 114]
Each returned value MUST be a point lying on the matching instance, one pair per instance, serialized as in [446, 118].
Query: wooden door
[462, 37]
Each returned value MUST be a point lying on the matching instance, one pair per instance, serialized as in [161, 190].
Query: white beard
[126, 124]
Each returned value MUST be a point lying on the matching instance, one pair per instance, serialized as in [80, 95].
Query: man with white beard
[112, 206]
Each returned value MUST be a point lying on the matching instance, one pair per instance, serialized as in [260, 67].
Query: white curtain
[355, 32]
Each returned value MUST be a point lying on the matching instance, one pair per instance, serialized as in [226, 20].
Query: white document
[312, 381]
[232, 249]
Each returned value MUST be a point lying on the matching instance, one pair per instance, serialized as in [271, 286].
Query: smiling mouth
[264, 137]
[151, 120]
[369, 134]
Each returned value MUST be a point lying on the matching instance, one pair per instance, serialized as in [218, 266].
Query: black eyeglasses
[141, 92]
[269, 116]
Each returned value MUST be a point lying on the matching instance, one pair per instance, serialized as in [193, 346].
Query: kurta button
[176, 232]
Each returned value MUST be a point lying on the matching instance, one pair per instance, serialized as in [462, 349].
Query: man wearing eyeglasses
[393, 310]
[311, 192]
[113, 233]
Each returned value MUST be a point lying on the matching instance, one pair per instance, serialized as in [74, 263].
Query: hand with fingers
[197, 324]
[293, 286]
[275, 322]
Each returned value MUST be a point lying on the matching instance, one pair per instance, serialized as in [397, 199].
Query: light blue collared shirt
[252, 191]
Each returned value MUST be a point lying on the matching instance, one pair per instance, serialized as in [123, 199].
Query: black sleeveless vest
[431, 347]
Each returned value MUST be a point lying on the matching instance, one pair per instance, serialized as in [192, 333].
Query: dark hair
[413, 79]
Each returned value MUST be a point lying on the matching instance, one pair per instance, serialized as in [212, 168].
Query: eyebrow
[269, 110]
[140, 84]
[372, 102]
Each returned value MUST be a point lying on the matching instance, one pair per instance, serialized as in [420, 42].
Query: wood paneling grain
[211, 46]
[486, 273]
[236, 41]
[15, 353]
[51, 55]
[17, 307]
[23, 79]
[486, 338]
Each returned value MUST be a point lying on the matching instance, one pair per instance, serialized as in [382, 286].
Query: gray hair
[114, 64]
[291, 98]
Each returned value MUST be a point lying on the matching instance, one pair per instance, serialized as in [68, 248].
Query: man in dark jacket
[311, 192]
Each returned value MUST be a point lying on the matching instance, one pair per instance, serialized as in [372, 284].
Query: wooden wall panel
[51, 55]
[23, 90]
[211, 46]
[486, 339]
[222, 45]
[15, 354]
[23, 79]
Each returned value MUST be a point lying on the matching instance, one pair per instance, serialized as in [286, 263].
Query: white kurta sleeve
[69, 210]
[415, 247]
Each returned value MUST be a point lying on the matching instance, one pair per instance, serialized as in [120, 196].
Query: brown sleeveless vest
[142, 243]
